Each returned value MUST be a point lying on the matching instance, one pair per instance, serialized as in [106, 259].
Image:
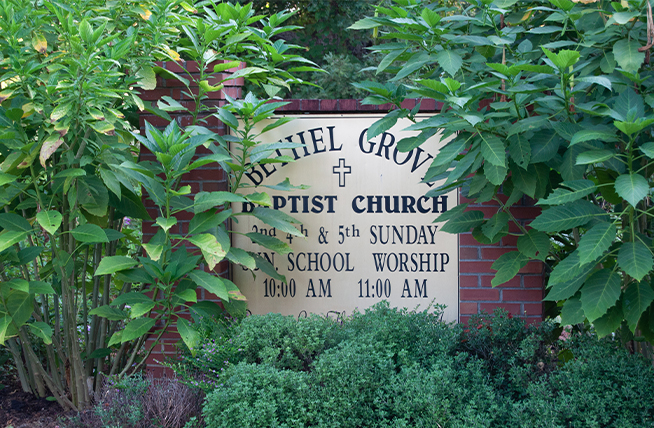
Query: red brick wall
[522, 296]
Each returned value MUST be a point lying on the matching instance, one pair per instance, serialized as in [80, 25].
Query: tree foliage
[76, 279]
[550, 100]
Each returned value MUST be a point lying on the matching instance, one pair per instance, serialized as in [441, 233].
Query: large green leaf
[10, 237]
[632, 187]
[5, 322]
[40, 287]
[464, 222]
[89, 233]
[544, 145]
[106, 311]
[594, 156]
[507, 267]
[211, 283]
[495, 174]
[208, 200]
[277, 219]
[569, 191]
[635, 300]
[242, 257]
[450, 61]
[496, 225]
[520, 150]
[493, 151]
[20, 307]
[42, 330]
[627, 55]
[564, 217]
[269, 242]
[599, 293]
[636, 259]
[207, 220]
[524, 180]
[15, 222]
[591, 134]
[112, 264]
[140, 309]
[566, 269]
[211, 249]
[534, 244]
[609, 322]
[131, 298]
[596, 241]
[49, 220]
[92, 195]
[136, 328]
[129, 204]
[190, 337]
[572, 312]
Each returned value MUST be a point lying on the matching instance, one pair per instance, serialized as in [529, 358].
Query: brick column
[208, 178]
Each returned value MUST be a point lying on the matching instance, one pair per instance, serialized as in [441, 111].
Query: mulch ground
[19, 409]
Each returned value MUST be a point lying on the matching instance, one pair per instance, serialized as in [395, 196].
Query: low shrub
[389, 367]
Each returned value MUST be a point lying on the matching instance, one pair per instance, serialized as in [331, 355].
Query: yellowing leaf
[40, 43]
[28, 109]
[5, 94]
[173, 54]
[146, 15]
[50, 145]
[187, 7]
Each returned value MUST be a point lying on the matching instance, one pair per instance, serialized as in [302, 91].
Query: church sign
[368, 228]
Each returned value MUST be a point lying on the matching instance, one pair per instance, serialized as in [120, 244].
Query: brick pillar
[522, 296]
[208, 178]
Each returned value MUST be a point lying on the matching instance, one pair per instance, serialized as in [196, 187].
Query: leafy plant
[70, 272]
[550, 101]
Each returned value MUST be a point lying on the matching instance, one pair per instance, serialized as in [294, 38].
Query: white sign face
[369, 231]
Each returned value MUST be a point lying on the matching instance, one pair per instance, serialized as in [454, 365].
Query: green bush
[602, 386]
[287, 343]
[389, 367]
[259, 396]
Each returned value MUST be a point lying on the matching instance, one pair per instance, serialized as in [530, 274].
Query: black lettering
[325, 289]
[417, 165]
[329, 262]
[332, 148]
[279, 202]
[317, 140]
[361, 140]
[396, 204]
[313, 262]
[311, 289]
[422, 209]
[442, 203]
[355, 207]
[385, 147]
[294, 200]
[248, 207]
[330, 202]
[374, 235]
[444, 261]
[377, 203]
[407, 204]
[421, 291]
[408, 157]
[406, 291]
[255, 176]
[317, 205]
[268, 173]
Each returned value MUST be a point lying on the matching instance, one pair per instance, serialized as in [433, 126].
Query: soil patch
[19, 409]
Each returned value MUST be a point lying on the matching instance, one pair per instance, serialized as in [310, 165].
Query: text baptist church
[369, 204]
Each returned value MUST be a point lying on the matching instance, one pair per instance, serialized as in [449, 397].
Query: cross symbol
[341, 170]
